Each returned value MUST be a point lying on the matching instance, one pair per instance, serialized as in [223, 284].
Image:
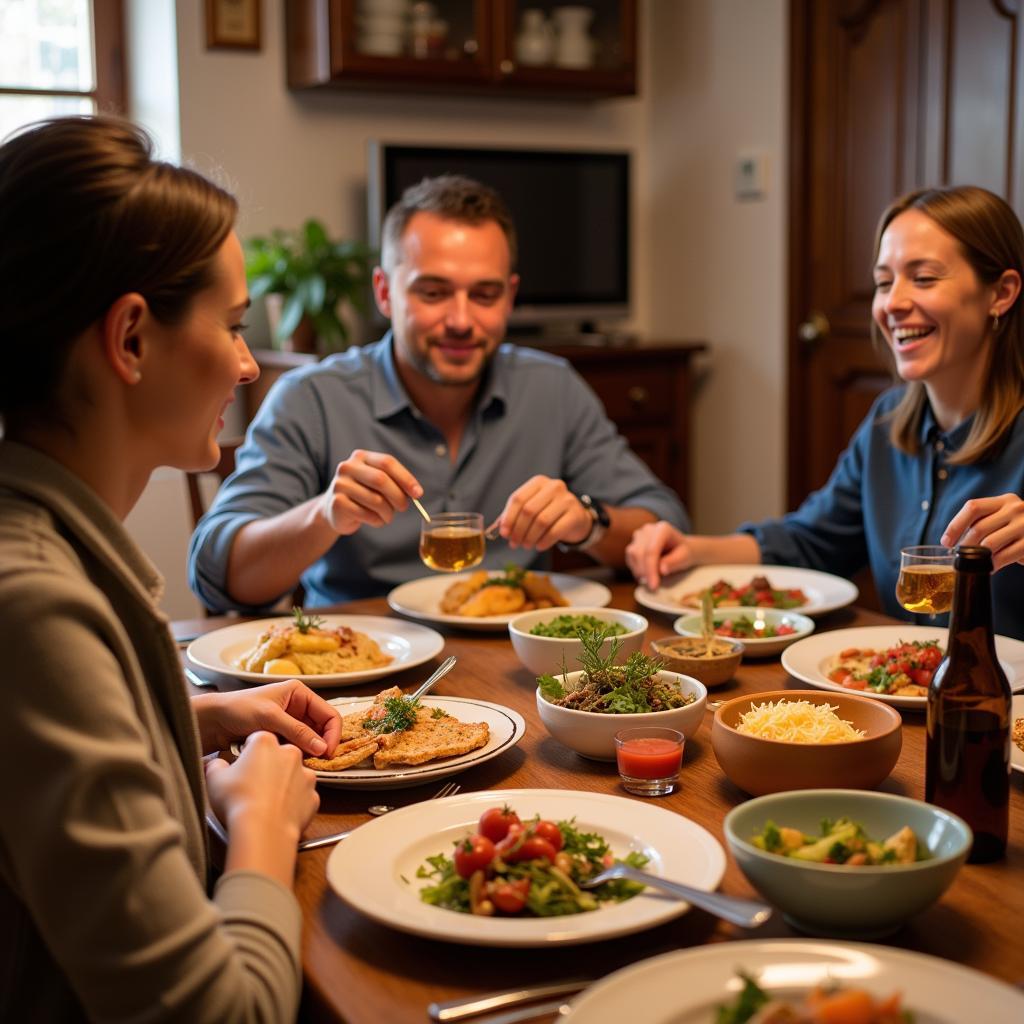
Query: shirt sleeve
[827, 531]
[599, 461]
[278, 467]
[91, 847]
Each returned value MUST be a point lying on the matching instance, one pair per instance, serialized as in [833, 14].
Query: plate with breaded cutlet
[1017, 734]
[387, 742]
[488, 600]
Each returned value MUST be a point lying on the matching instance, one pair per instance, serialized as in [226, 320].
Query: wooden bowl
[710, 671]
[762, 766]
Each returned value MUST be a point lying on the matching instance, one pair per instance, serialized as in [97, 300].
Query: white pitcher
[535, 43]
[574, 48]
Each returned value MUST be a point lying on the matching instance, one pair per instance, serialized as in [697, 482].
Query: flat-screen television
[571, 210]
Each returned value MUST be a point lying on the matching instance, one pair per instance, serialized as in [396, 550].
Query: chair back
[224, 468]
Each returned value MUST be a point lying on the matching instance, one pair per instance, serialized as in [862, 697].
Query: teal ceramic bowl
[848, 902]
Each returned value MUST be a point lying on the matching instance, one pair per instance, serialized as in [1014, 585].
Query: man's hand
[995, 523]
[290, 710]
[367, 490]
[656, 550]
[541, 513]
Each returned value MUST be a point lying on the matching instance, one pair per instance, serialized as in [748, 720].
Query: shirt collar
[931, 431]
[390, 397]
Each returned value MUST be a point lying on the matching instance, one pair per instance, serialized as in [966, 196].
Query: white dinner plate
[407, 643]
[1016, 754]
[374, 870]
[806, 659]
[824, 591]
[421, 599]
[506, 730]
[687, 986]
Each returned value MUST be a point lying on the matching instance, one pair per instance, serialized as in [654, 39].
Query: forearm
[269, 555]
[740, 548]
[268, 846]
[611, 548]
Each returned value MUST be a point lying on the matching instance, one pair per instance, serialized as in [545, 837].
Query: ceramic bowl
[710, 671]
[770, 766]
[544, 654]
[848, 902]
[755, 647]
[593, 735]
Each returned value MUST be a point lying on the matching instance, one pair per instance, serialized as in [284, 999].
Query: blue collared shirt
[535, 415]
[880, 499]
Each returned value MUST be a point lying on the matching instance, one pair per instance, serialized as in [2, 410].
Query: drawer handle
[638, 394]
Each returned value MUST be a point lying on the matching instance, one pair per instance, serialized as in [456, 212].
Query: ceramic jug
[574, 47]
[535, 43]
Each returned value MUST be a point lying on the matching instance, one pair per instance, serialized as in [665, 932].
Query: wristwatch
[599, 523]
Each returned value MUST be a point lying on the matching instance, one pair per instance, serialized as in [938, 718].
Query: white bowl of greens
[584, 710]
[548, 638]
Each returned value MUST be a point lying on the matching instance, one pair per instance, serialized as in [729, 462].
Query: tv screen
[571, 211]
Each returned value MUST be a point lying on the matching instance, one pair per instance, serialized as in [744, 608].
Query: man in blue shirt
[437, 410]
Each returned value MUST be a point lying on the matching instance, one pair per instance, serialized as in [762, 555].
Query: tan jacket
[104, 912]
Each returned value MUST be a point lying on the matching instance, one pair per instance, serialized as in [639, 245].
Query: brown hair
[87, 215]
[452, 197]
[991, 241]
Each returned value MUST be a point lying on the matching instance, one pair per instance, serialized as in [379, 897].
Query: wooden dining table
[361, 972]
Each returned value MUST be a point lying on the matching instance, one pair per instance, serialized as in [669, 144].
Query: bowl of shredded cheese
[806, 739]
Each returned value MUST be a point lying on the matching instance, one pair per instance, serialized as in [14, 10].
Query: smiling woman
[939, 460]
[121, 291]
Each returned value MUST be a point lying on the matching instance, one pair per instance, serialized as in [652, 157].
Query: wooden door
[886, 95]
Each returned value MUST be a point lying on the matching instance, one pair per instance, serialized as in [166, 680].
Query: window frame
[108, 41]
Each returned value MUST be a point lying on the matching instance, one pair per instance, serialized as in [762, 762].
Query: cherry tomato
[921, 676]
[551, 832]
[510, 897]
[473, 854]
[496, 822]
[531, 848]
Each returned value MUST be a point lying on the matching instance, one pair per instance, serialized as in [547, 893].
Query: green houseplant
[314, 276]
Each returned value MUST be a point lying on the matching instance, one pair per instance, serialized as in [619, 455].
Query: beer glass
[925, 584]
[452, 541]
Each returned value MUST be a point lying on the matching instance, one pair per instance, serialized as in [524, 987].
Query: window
[59, 57]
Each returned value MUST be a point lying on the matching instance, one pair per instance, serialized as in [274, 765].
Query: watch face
[596, 509]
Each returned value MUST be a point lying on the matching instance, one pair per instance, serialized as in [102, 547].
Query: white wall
[705, 265]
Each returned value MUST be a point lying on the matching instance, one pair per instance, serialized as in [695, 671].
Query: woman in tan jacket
[122, 289]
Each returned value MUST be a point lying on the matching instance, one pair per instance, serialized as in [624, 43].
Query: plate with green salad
[411, 869]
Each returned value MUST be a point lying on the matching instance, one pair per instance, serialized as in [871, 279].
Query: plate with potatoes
[328, 650]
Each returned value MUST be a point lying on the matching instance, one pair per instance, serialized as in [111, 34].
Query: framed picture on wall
[233, 24]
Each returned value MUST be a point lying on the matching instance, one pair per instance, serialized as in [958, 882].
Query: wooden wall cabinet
[327, 46]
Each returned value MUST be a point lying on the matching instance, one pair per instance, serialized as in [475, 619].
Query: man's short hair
[452, 197]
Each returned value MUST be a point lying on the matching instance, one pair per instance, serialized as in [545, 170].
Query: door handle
[814, 329]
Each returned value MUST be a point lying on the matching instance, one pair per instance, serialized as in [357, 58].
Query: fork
[744, 912]
[448, 789]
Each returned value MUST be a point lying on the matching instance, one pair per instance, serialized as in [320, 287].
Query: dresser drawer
[632, 394]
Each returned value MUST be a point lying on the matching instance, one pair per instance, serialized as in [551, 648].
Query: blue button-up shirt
[534, 415]
[880, 499]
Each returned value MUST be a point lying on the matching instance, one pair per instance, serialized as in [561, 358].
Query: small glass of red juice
[649, 760]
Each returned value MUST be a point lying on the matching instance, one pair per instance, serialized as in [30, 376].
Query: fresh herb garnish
[439, 713]
[751, 998]
[513, 577]
[303, 622]
[399, 715]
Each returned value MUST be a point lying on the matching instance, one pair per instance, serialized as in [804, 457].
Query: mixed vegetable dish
[841, 842]
[527, 869]
[904, 670]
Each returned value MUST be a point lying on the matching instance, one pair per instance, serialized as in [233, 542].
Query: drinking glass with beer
[925, 584]
[452, 541]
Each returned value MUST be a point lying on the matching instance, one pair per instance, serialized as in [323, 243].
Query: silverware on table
[460, 1009]
[529, 1013]
[448, 789]
[435, 677]
[197, 680]
[737, 910]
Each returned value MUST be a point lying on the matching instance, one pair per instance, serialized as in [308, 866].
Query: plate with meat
[806, 591]
[1017, 734]
[385, 745]
[891, 663]
[488, 601]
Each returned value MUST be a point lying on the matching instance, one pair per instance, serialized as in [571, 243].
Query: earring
[138, 376]
[995, 322]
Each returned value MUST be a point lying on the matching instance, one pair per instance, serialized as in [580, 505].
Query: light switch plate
[751, 175]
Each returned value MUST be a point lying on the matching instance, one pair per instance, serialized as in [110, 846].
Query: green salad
[572, 625]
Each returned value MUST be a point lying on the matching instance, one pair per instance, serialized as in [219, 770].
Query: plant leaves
[291, 314]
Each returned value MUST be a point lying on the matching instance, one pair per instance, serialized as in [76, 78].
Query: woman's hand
[265, 800]
[656, 550]
[290, 709]
[995, 523]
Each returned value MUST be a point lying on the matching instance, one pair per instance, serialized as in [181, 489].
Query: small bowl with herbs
[585, 709]
[547, 638]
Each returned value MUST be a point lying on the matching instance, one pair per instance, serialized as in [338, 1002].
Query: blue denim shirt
[535, 415]
[880, 499]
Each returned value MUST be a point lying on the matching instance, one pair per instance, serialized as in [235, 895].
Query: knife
[460, 1009]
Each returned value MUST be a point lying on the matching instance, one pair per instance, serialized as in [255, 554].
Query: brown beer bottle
[968, 759]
